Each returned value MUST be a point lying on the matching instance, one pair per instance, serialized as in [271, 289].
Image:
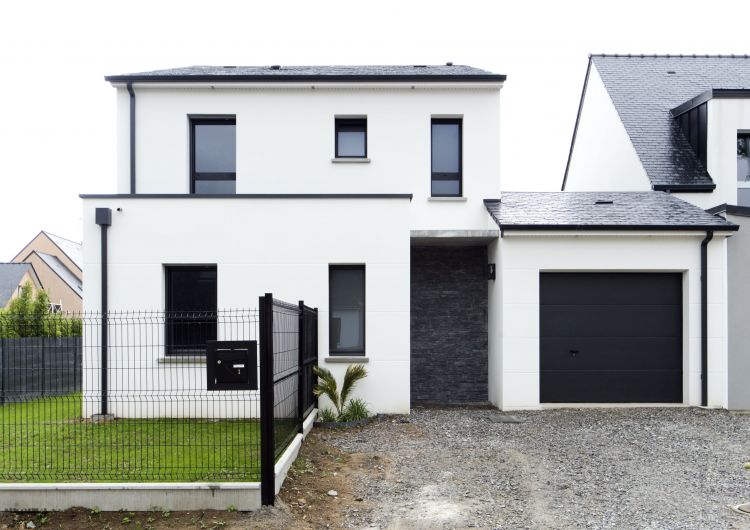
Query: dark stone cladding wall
[449, 324]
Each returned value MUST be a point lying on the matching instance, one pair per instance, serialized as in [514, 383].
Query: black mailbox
[232, 365]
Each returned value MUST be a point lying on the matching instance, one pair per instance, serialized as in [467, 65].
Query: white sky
[57, 113]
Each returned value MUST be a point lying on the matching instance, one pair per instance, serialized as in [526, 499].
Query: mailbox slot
[232, 365]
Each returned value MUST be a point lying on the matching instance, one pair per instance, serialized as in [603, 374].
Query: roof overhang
[714, 93]
[684, 188]
[742, 211]
[332, 78]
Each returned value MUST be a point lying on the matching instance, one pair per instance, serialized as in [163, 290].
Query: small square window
[351, 138]
[213, 153]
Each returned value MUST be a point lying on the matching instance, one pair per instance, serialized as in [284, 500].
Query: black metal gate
[288, 351]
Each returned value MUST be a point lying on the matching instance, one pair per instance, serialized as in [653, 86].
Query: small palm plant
[328, 387]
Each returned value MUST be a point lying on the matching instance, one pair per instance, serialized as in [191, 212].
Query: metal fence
[138, 396]
[286, 384]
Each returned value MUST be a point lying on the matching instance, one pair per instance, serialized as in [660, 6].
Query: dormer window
[213, 154]
[743, 169]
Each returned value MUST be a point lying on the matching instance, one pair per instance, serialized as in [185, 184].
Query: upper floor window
[743, 169]
[351, 137]
[446, 158]
[213, 153]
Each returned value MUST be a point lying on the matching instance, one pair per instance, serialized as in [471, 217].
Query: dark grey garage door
[610, 338]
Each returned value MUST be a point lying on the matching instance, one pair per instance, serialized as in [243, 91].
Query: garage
[611, 337]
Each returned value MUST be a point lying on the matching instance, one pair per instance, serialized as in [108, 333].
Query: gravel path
[586, 468]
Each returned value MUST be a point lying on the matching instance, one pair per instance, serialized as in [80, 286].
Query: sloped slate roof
[648, 210]
[71, 249]
[10, 276]
[63, 272]
[643, 92]
[313, 73]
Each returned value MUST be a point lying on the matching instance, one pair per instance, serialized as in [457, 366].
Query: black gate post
[267, 451]
[314, 379]
[301, 346]
[3, 367]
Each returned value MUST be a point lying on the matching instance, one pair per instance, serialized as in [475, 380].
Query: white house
[680, 124]
[373, 193]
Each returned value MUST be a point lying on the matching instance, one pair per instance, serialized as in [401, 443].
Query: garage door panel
[647, 386]
[596, 288]
[610, 321]
[610, 337]
[595, 353]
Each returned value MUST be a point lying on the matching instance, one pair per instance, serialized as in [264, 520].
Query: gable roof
[59, 268]
[73, 250]
[644, 92]
[593, 210]
[10, 277]
[277, 73]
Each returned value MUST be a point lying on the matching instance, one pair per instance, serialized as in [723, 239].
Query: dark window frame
[442, 175]
[331, 349]
[169, 348]
[209, 119]
[349, 122]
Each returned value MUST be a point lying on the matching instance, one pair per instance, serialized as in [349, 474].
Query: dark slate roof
[644, 93]
[313, 73]
[647, 210]
[59, 268]
[10, 276]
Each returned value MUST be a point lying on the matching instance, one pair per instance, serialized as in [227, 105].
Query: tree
[28, 315]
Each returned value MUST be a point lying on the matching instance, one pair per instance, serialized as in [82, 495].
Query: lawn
[46, 440]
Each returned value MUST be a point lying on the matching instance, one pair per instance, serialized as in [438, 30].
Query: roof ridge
[61, 237]
[671, 55]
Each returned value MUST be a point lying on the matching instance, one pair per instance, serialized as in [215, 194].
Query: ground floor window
[190, 308]
[346, 285]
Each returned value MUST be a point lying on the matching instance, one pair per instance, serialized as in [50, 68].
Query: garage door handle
[573, 353]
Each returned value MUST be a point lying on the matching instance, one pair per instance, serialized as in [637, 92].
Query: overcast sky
[57, 113]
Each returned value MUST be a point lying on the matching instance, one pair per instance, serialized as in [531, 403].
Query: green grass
[47, 441]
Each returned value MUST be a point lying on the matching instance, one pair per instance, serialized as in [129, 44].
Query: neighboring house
[59, 264]
[12, 278]
[679, 124]
[371, 192]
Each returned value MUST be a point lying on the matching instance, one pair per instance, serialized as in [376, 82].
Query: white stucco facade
[514, 302]
[283, 246]
[603, 157]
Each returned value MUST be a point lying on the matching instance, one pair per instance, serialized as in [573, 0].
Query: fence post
[267, 444]
[315, 348]
[301, 344]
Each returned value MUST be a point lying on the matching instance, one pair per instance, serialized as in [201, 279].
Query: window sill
[182, 359]
[350, 160]
[446, 199]
[347, 359]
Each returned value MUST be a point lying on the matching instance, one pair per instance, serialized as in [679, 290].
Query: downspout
[132, 137]
[104, 220]
[704, 317]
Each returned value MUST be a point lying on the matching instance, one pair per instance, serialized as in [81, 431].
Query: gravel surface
[570, 468]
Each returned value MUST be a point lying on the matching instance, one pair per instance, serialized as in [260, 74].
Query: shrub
[328, 387]
[355, 410]
[327, 415]
[29, 316]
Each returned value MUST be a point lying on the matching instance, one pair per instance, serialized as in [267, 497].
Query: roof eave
[489, 78]
[686, 188]
[576, 227]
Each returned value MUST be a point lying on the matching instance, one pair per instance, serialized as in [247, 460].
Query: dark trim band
[629, 228]
[715, 93]
[742, 211]
[684, 188]
[287, 78]
[250, 196]
[575, 128]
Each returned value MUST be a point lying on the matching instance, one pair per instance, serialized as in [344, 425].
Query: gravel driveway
[585, 468]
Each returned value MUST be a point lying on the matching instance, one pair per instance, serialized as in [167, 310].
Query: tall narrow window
[191, 308]
[347, 309]
[446, 158]
[213, 153]
[351, 138]
[743, 169]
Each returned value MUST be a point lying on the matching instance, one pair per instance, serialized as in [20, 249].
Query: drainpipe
[704, 317]
[132, 137]
[104, 219]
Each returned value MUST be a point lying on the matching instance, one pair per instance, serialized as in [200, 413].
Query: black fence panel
[161, 421]
[287, 332]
